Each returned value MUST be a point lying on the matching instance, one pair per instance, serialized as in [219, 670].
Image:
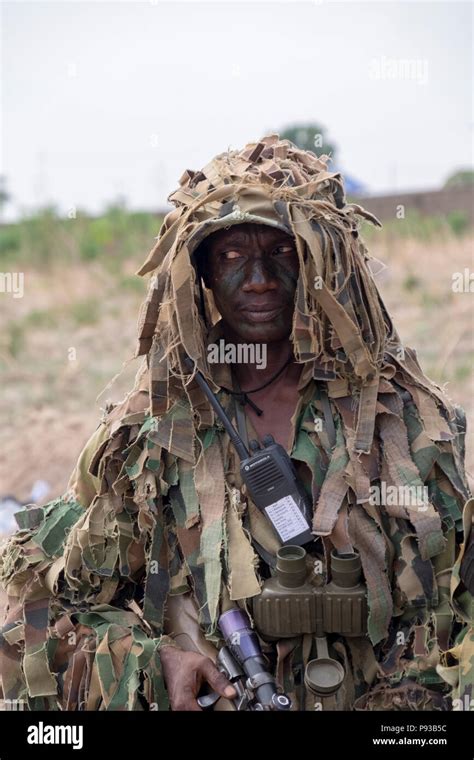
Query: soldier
[115, 589]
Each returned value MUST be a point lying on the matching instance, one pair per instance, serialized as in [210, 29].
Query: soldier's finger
[217, 680]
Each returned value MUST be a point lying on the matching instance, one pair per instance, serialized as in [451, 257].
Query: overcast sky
[101, 99]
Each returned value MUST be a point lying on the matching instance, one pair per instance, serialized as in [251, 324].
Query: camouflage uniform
[154, 510]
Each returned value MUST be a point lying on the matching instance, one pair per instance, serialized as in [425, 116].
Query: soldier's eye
[284, 250]
[231, 255]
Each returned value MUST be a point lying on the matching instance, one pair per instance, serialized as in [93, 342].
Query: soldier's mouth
[261, 313]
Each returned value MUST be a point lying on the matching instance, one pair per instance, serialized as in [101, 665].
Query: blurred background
[103, 107]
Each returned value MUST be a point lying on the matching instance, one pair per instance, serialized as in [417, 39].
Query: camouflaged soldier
[115, 589]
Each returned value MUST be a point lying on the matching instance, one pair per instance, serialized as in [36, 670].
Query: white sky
[101, 99]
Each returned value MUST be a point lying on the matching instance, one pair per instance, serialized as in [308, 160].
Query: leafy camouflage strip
[460, 675]
[334, 488]
[122, 672]
[126, 670]
[210, 492]
[370, 543]
[407, 697]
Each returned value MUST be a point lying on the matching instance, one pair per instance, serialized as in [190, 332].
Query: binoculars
[291, 605]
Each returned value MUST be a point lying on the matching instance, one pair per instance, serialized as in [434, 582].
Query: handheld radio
[269, 476]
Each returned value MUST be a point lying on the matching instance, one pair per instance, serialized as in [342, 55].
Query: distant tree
[460, 178]
[311, 136]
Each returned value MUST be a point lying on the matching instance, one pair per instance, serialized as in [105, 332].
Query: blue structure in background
[352, 185]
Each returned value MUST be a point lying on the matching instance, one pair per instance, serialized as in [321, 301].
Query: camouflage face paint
[252, 271]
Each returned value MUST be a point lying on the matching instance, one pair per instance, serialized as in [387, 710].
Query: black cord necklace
[242, 396]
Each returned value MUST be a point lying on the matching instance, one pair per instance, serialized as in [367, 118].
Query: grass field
[75, 326]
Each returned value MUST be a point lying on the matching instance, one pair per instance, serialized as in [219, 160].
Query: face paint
[253, 271]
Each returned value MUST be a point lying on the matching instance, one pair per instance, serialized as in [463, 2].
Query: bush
[10, 239]
[458, 222]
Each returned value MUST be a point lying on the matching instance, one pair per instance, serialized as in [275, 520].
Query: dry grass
[48, 405]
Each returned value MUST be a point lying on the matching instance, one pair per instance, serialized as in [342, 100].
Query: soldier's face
[252, 270]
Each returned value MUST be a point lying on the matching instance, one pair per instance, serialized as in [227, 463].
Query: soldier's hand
[185, 673]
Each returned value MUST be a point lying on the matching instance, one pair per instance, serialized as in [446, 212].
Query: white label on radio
[287, 518]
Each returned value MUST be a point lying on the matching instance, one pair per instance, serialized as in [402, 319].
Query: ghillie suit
[154, 511]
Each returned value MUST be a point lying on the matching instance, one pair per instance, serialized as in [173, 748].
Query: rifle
[243, 663]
